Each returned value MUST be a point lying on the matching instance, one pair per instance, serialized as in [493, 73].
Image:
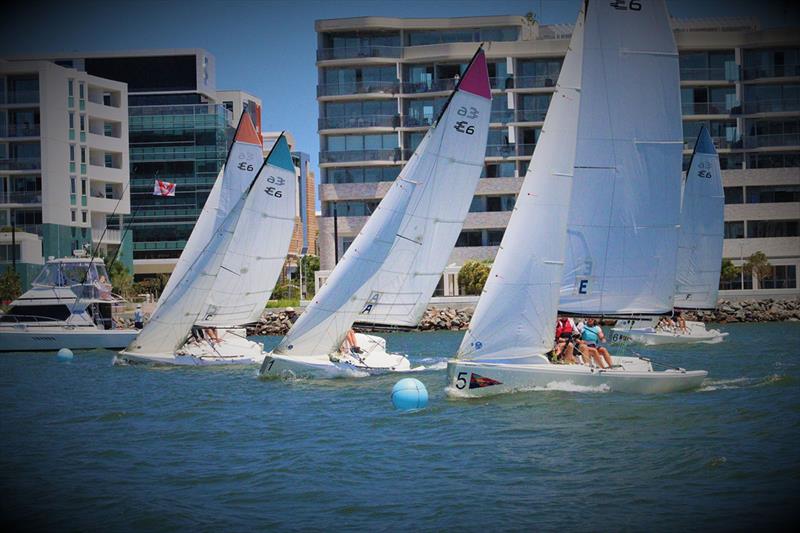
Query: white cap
[290, 309]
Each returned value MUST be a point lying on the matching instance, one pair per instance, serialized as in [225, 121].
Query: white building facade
[63, 163]
[381, 82]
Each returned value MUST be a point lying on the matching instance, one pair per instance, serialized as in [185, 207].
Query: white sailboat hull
[467, 379]
[234, 349]
[374, 360]
[52, 338]
[648, 335]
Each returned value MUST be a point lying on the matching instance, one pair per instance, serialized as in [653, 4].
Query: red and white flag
[164, 188]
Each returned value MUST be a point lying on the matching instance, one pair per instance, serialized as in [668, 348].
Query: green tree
[758, 265]
[472, 276]
[729, 271]
[310, 264]
[10, 285]
[121, 279]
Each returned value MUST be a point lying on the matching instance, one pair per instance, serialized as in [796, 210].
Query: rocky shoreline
[727, 312]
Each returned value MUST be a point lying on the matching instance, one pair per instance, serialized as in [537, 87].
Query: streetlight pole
[741, 268]
[335, 236]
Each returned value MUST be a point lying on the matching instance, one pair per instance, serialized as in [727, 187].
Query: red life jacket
[564, 326]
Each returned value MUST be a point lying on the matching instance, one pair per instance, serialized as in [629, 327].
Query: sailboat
[700, 240]
[604, 158]
[252, 264]
[242, 181]
[415, 224]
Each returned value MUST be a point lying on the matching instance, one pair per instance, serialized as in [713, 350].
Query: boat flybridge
[394, 263]
[594, 229]
[699, 257]
[69, 305]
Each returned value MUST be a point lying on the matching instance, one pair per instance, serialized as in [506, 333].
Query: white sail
[258, 251]
[624, 215]
[322, 327]
[516, 313]
[197, 268]
[702, 229]
[446, 167]
[244, 160]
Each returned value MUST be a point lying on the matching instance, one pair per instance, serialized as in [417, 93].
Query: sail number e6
[274, 191]
[633, 5]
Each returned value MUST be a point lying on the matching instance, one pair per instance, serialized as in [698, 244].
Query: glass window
[69, 87]
[72, 215]
[72, 152]
[72, 121]
[772, 228]
[83, 154]
[734, 230]
[84, 217]
[72, 187]
[782, 277]
[83, 187]
[773, 160]
[470, 238]
[83, 122]
[772, 194]
[80, 90]
[734, 195]
[336, 143]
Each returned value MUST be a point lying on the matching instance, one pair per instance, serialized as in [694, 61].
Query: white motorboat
[397, 258]
[648, 332]
[244, 185]
[620, 143]
[69, 305]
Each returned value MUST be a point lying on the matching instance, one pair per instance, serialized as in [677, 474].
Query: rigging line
[408, 239]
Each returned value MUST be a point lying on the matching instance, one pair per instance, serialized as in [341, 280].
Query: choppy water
[86, 445]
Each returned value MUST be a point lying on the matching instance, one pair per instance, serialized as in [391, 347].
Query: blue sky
[268, 48]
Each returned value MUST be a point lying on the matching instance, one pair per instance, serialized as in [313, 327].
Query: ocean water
[86, 445]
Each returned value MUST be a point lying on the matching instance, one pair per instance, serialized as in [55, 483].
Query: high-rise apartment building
[63, 164]
[382, 81]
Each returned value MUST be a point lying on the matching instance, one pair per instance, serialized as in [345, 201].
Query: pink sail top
[476, 78]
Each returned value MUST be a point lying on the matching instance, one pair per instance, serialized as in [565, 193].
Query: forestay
[260, 243]
[516, 313]
[197, 268]
[446, 167]
[702, 229]
[322, 327]
[624, 214]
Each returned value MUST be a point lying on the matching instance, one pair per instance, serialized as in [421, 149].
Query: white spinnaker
[257, 253]
[624, 214]
[702, 229]
[323, 325]
[244, 160]
[446, 167]
[517, 310]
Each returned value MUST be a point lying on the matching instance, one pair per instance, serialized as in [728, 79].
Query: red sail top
[247, 132]
[476, 78]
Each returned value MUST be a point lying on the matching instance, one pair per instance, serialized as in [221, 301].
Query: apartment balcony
[21, 198]
[534, 82]
[346, 156]
[531, 115]
[444, 84]
[359, 121]
[502, 82]
[353, 52]
[106, 112]
[778, 139]
[105, 142]
[771, 71]
[19, 130]
[21, 163]
[111, 236]
[417, 122]
[109, 174]
[502, 117]
[525, 149]
[35, 229]
[359, 87]
[21, 97]
[501, 150]
[102, 204]
[710, 74]
[781, 105]
[705, 108]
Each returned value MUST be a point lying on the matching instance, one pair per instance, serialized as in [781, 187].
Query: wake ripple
[743, 383]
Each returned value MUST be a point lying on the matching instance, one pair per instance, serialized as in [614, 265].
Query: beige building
[381, 82]
[63, 163]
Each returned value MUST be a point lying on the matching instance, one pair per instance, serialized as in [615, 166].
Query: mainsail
[258, 251]
[446, 167]
[702, 228]
[389, 267]
[516, 313]
[197, 268]
[624, 214]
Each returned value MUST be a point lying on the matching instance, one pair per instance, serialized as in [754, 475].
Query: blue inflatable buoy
[409, 394]
[64, 354]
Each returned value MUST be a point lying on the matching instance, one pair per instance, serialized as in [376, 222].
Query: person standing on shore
[138, 317]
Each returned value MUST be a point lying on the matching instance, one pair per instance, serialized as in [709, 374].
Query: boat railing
[27, 318]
